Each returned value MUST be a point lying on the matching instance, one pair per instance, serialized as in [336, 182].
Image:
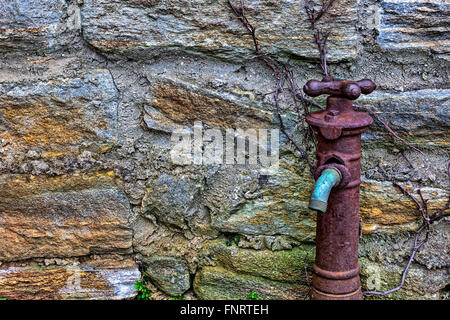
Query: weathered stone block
[105, 278]
[424, 113]
[184, 106]
[35, 25]
[209, 27]
[279, 208]
[59, 115]
[217, 283]
[169, 274]
[173, 200]
[383, 207]
[420, 284]
[283, 265]
[383, 258]
[421, 24]
[395, 248]
[49, 217]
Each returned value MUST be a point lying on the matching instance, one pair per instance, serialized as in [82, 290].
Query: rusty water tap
[336, 194]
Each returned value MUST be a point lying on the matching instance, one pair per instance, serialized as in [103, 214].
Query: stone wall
[90, 92]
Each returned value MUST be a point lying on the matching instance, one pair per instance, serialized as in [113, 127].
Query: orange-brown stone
[185, 106]
[62, 217]
[107, 278]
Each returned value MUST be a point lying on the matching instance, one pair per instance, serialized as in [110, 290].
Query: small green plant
[252, 296]
[178, 297]
[234, 239]
[144, 292]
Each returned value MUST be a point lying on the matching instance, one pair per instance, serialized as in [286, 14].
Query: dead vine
[284, 76]
[320, 36]
[425, 228]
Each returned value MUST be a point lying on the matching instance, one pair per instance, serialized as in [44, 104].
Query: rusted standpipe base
[318, 295]
[332, 285]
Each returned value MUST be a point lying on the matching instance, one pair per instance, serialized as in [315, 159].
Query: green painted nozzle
[329, 178]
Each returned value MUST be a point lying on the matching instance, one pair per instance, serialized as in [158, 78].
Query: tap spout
[328, 179]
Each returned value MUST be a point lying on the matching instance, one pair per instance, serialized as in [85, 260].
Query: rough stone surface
[396, 247]
[419, 24]
[103, 278]
[59, 115]
[385, 207]
[231, 272]
[38, 25]
[383, 259]
[208, 28]
[389, 165]
[61, 217]
[420, 113]
[418, 285]
[283, 265]
[91, 91]
[169, 274]
[220, 284]
[183, 106]
[279, 207]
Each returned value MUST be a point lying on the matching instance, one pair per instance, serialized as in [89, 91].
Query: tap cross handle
[341, 88]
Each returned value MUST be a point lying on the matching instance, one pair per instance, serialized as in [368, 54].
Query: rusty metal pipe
[338, 128]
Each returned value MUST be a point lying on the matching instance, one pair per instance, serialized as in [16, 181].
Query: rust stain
[185, 106]
[49, 123]
[41, 61]
[115, 44]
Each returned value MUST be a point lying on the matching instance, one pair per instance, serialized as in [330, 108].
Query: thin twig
[308, 281]
[402, 152]
[392, 132]
[425, 227]
[283, 74]
[283, 128]
[320, 37]
[313, 17]
[439, 213]
[240, 14]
